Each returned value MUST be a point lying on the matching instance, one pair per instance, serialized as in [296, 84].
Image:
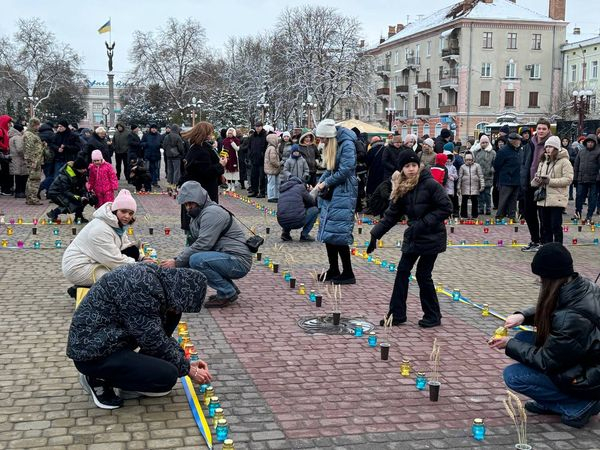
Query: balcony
[403, 89]
[448, 109]
[413, 62]
[423, 85]
[449, 81]
[451, 53]
[383, 91]
[383, 70]
[423, 111]
[402, 114]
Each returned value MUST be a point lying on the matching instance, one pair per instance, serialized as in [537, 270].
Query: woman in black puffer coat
[424, 201]
[559, 364]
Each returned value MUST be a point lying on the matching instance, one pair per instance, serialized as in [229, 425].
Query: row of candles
[209, 397]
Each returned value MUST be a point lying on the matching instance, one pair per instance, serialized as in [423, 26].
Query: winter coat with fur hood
[17, 147]
[272, 162]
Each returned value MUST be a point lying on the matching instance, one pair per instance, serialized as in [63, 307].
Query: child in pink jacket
[103, 179]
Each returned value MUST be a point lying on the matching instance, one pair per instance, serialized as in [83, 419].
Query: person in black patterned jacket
[135, 306]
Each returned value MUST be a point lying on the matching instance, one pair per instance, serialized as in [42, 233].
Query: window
[594, 70]
[511, 70]
[485, 98]
[404, 131]
[404, 108]
[397, 57]
[375, 107]
[416, 102]
[428, 75]
[509, 99]
[441, 72]
[574, 72]
[426, 129]
[534, 100]
[414, 130]
[347, 114]
[428, 48]
[418, 51]
[511, 41]
[487, 39]
[440, 100]
[536, 42]
[486, 70]
[535, 71]
[406, 54]
[441, 44]
[438, 129]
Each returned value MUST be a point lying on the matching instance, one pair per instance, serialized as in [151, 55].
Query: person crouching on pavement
[419, 197]
[68, 190]
[219, 247]
[558, 365]
[296, 209]
[135, 306]
[103, 245]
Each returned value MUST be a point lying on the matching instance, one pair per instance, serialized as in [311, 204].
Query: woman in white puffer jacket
[103, 244]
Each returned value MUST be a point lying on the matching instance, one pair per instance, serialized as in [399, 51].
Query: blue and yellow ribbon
[196, 409]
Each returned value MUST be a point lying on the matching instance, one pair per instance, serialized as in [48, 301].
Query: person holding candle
[419, 197]
[554, 175]
[103, 245]
[218, 248]
[135, 306]
[558, 365]
[338, 190]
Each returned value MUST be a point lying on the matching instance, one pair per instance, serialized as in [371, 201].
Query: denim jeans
[589, 191]
[539, 387]
[485, 200]
[272, 186]
[219, 269]
[154, 169]
[51, 170]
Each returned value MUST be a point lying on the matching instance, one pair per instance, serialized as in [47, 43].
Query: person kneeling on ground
[219, 247]
[135, 306]
[559, 364]
[296, 209]
[103, 245]
[139, 176]
[68, 190]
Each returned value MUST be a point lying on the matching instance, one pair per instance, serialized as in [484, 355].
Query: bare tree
[172, 57]
[35, 64]
[324, 60]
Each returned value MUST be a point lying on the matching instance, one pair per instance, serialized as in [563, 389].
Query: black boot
[334, 268]
[347, 275]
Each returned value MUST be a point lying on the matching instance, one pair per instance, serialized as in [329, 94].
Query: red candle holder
[522, 221]
[574, 241]
[167, 231]
[486, 230]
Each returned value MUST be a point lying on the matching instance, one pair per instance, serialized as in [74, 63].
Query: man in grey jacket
[587, 174]
[219, 247]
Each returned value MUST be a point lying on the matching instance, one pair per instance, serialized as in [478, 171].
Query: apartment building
[469, 63]
[581, 58]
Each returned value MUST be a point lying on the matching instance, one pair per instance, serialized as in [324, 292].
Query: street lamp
[581, 105]
[309, 106]
[195, 104]
[391, 112]
[32, 102]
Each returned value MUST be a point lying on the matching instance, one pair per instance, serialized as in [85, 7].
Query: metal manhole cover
[324, 324]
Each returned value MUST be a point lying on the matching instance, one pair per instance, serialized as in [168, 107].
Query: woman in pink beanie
[103, 179]
[103, 244]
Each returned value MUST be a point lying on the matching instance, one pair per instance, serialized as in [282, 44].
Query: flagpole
[110, 29]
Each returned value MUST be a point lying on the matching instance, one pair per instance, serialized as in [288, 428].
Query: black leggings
[132, 252]
[332, 255]
[551, 224]
[131, 371]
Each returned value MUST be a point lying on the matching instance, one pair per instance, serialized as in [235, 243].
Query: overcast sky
[77, 22]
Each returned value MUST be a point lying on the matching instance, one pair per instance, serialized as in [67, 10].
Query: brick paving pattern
[280, 387]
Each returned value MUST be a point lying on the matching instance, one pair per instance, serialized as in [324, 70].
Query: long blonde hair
[329, 153]
[401, 184]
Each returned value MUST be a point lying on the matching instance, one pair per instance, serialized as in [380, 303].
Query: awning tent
[364, 127]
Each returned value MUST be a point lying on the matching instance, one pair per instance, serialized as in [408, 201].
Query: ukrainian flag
[104, 28]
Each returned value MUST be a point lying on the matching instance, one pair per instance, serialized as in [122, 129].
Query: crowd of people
[120, 336]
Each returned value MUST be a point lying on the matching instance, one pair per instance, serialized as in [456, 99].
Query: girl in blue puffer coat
[338, 189]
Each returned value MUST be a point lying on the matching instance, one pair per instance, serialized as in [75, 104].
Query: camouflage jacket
[34, 150]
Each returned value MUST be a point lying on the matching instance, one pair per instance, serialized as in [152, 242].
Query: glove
[84, 201]
[372, 245]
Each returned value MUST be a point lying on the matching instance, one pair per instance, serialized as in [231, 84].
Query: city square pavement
[279, 386]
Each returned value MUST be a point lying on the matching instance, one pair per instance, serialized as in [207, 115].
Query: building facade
[96, 99]
[467, 64]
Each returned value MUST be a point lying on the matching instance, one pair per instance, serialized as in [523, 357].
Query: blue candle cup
[478, 430]
[358, 330]
[384, 263]
[222, 431]
[372, 340]
[312, 296]
[203, 388]
[392, 267]
[421, 381]
[456, 295]
[287, 276]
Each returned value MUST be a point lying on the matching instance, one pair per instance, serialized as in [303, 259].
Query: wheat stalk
[434, 357]
[387, 325]
[516, 411]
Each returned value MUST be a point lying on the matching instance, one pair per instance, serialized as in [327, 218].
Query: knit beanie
[483, 139]
[440, 159]
[505, 129]
[445, 133]
[407, 156]
[552, 261]
[96, 155]
[79, 164]
[286, 133]
[124, 201]
[553, 141]
[429, 142]
[449, 147]
[326, 129]
[64, 123]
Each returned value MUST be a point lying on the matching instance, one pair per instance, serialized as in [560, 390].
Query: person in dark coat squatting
[68, 190]
[416, 195]
[136, 305]
[296, 209]
[558, 365]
